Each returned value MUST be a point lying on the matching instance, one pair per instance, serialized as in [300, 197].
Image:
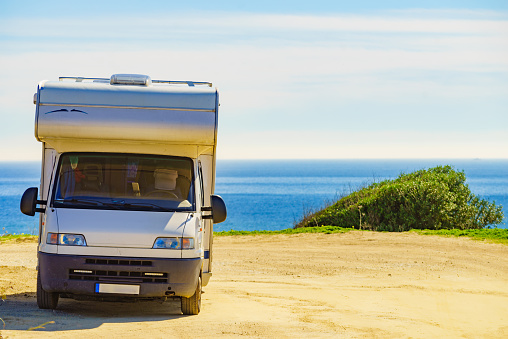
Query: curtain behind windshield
[121, 180]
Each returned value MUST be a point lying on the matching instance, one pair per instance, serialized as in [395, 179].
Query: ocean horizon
[275, 194]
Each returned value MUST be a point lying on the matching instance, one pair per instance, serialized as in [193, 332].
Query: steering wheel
[161, 192]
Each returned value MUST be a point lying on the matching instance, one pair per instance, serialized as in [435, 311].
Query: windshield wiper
[118, 204]
[148, 205]
[80, 201]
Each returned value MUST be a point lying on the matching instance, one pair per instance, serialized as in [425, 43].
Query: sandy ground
[352, 285]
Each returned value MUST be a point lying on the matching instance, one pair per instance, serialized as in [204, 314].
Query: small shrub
[322, 229]
[496, 235]
[18, 238]
[437, 198]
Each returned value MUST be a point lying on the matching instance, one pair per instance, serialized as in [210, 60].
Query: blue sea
[274, 194]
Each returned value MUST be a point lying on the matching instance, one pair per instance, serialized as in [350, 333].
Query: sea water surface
[274, 194]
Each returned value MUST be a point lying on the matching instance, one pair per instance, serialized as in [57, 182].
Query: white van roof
[99, 93]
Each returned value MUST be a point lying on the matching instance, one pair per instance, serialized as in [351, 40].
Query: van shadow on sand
[20, 312]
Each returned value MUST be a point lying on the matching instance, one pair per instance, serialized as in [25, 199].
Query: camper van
[126, 200]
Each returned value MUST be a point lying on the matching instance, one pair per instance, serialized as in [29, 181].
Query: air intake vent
[118, 262]
[130, 79]
[119, 276]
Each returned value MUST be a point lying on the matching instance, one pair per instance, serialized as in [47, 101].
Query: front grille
[118, 276]
[118, 262]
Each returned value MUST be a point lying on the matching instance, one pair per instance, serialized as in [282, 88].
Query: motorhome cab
[126, 196]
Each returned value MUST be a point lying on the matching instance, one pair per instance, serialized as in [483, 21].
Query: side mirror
[218, 209]
[28, 204]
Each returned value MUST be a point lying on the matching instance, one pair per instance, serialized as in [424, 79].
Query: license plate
[116, 288]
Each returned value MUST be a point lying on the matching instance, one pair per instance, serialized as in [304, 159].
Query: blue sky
[320, 79]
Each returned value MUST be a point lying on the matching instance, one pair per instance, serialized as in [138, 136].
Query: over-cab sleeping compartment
[70, 114]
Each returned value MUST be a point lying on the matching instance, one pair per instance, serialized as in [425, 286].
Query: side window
[200, 173]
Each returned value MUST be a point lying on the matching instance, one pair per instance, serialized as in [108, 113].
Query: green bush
[437, 198]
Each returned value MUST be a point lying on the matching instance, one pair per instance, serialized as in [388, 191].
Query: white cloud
[206, 24]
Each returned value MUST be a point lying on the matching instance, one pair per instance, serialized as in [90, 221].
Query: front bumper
[156, 277]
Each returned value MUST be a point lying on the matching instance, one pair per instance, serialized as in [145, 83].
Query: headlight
[174, 243]
[66, 239]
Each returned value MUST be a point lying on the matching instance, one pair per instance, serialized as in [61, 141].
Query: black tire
[192, 305]
[45, 300]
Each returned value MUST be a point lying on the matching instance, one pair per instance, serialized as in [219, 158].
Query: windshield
[124, 181]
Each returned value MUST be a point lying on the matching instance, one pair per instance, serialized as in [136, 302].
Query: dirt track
[352, 285]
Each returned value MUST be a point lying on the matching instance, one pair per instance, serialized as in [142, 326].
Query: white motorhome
[126, 195]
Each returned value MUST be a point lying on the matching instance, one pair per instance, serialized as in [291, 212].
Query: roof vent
[130, 79]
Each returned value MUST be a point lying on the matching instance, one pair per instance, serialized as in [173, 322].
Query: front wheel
[45, 300]
[192, 305]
